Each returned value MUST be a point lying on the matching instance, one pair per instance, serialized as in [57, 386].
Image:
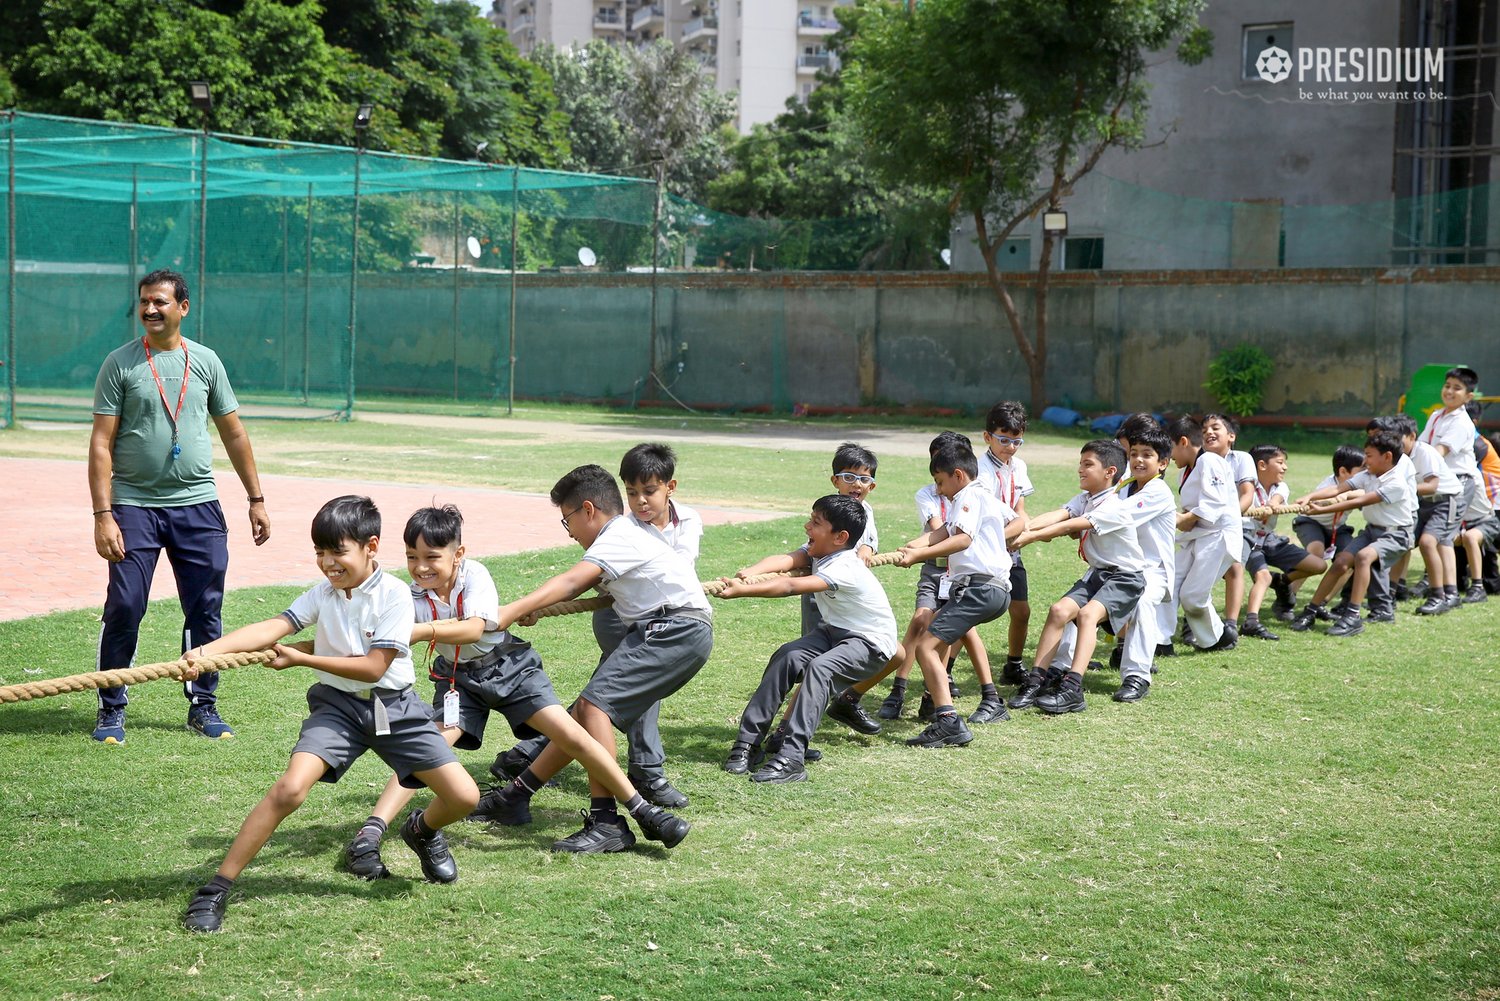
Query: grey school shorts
[1018, 587]
[1309, 531]
[1119, 591]
[975, 599]
[1440, 517]
[1276, 551]
[1389, 543]
[508, 680]
[927, 586]
[340, 726]
[656, 658]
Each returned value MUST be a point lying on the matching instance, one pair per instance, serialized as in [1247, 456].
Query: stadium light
[201, 96]
[1055, 223]
[362, 117]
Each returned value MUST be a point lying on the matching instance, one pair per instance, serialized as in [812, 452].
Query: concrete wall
[1344, 341]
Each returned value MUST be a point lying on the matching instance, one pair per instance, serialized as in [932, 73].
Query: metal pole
[10, 285]
[353, 282]
[307, 297]
[134, 246]
[286, 266]
[456, 251]
[203, 235]
[650, 392]
[515, 211]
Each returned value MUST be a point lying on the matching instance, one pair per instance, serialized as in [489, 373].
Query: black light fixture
[362, 117]
[201, 96]
[1055, 222]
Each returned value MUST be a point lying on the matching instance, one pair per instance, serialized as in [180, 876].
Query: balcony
[700, 28]
[644, 17]
[608, 20]
[810, 24]
[811, 63]
[521, 20]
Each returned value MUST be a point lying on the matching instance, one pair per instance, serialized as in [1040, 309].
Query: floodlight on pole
[201, 96]
[362, 117]
[1055, 222]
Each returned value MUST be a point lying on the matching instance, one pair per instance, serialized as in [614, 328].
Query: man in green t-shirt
[151, 479]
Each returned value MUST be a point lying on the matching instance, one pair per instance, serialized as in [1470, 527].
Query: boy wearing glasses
[1004, 474]
[668, 637]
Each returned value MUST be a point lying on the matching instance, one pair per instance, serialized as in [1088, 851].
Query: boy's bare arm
[911, 555]
[1186, 521]
[369, 668]
[1047, 518]
[931, 538]
[1052, 530]
[1427, 487]
[564, 587]
[1247, 496]
[256, 636]
[776, 587]
[1361, 500]
[778, 563]
[1327, 493]
[455, 631]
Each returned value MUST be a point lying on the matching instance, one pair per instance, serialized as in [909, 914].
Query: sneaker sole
[209, 736]
[957, 740]
[610, 847]
[111, 741]
[1063, 710]
[782, 779]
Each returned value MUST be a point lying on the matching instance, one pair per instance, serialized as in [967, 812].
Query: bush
[1237, 378]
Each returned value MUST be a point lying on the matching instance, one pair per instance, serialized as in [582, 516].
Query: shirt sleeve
[481, 598]
[613, 555]
[304, 611]
[1110, 517]
[927, 506]
[109, 389]
[1075, 505]
[871, 537]
[1022, 480]
[1150, 503]
[393, 622]
[221, 399]
[1243, 468]
[835, 572]
[689, 537]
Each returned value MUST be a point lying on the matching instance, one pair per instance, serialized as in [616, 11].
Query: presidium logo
[1389, 74]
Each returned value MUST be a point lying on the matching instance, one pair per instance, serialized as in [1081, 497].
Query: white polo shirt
[473, 597]
[377, 614]
[683, 531]
[981, 516]
[855, 600]
[930, 505]
[1208, 491]
[1111, 543]
[1008, 481]
[871, 537]
[1428, 463]
[1154, 510]
[1397, 507]
[1454, 429]
[1242, 466]
[1276, 496]
[642, 572]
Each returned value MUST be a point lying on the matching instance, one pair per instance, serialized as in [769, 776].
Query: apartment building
[766, 51]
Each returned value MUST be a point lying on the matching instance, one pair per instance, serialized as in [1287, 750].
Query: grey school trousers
[647, 758]
[826, 661]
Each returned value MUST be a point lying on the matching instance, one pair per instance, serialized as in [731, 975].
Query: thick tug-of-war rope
[1266, 512]
[29, 690]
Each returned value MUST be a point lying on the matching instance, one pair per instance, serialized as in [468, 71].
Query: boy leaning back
[668, 637]
[854, 640]
[974, 540]
[362, 701]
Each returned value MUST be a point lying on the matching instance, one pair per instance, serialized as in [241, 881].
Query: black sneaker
[497, 808]
[1165, 650]
[1062, 699]
[1259, 631]
[659, 791]
[780, 769]
[1349, 625]
[1132, 689]
[1453, 601]
[1305, 619]
[812, 754]
[659, 825]
[1229, 638]
[1283, 591]
[945, 731]
[1381, 617]
[205, 912]
[362, 857]
[1117, 657]
[924, 710]
[1336, 612]
[1013, 673]
[508, 764]
[1434, 605]
[437, 861]
[740, 756]
[893, 704]
[1399, 591]
[1475, 594]
[601, 833]
[989, 711]
[853, 715]
[1036, 686]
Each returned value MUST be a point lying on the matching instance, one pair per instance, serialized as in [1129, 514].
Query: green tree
[1006, 104]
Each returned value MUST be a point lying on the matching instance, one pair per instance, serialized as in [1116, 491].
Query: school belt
[678, 612]
[385, 693]
[489, 659]
[973, 580]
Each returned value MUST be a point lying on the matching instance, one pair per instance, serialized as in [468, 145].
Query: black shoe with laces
[495, 807]
[1062, 699]
[990, 711]
[601, 833]
[658, 791]
[780, 769]
[659, 825]
[853, 715]
[1013, 673]
[205, 912]
[362, 857]
[948, 730]
[740, 756]
[1035, 687]
[893, 704]
[508, 764]
[432, 851]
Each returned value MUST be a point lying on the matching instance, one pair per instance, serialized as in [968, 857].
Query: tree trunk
[1034, 356]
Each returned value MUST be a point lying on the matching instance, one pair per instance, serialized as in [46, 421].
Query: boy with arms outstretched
[649, 472]
[1267, 549]
[480, 670]
[363, 700]
[856, 637]
[974, 540]
[1004, 471]
[1108, 592]
[668, 637]
[1208, 532]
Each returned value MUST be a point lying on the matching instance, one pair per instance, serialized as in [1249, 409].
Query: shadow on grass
[59, 719]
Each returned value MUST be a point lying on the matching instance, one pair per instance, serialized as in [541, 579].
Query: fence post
[353, 281]
[10, 258]
[515, 212]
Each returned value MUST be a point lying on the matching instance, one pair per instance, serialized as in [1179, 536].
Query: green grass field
[1310, 818]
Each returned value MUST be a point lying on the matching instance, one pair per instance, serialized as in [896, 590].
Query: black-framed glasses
[859, 478]
[568, 515]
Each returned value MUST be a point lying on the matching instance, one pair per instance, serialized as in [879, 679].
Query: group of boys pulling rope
[26, 691]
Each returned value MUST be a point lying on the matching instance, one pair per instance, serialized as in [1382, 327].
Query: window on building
[1083, 253]
[1256, 38]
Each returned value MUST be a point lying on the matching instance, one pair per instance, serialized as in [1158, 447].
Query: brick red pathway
[48, 563]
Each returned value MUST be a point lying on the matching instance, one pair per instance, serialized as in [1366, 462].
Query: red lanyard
[1005, 486]
[1433, 425]
[172, 415]
[432, 643]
